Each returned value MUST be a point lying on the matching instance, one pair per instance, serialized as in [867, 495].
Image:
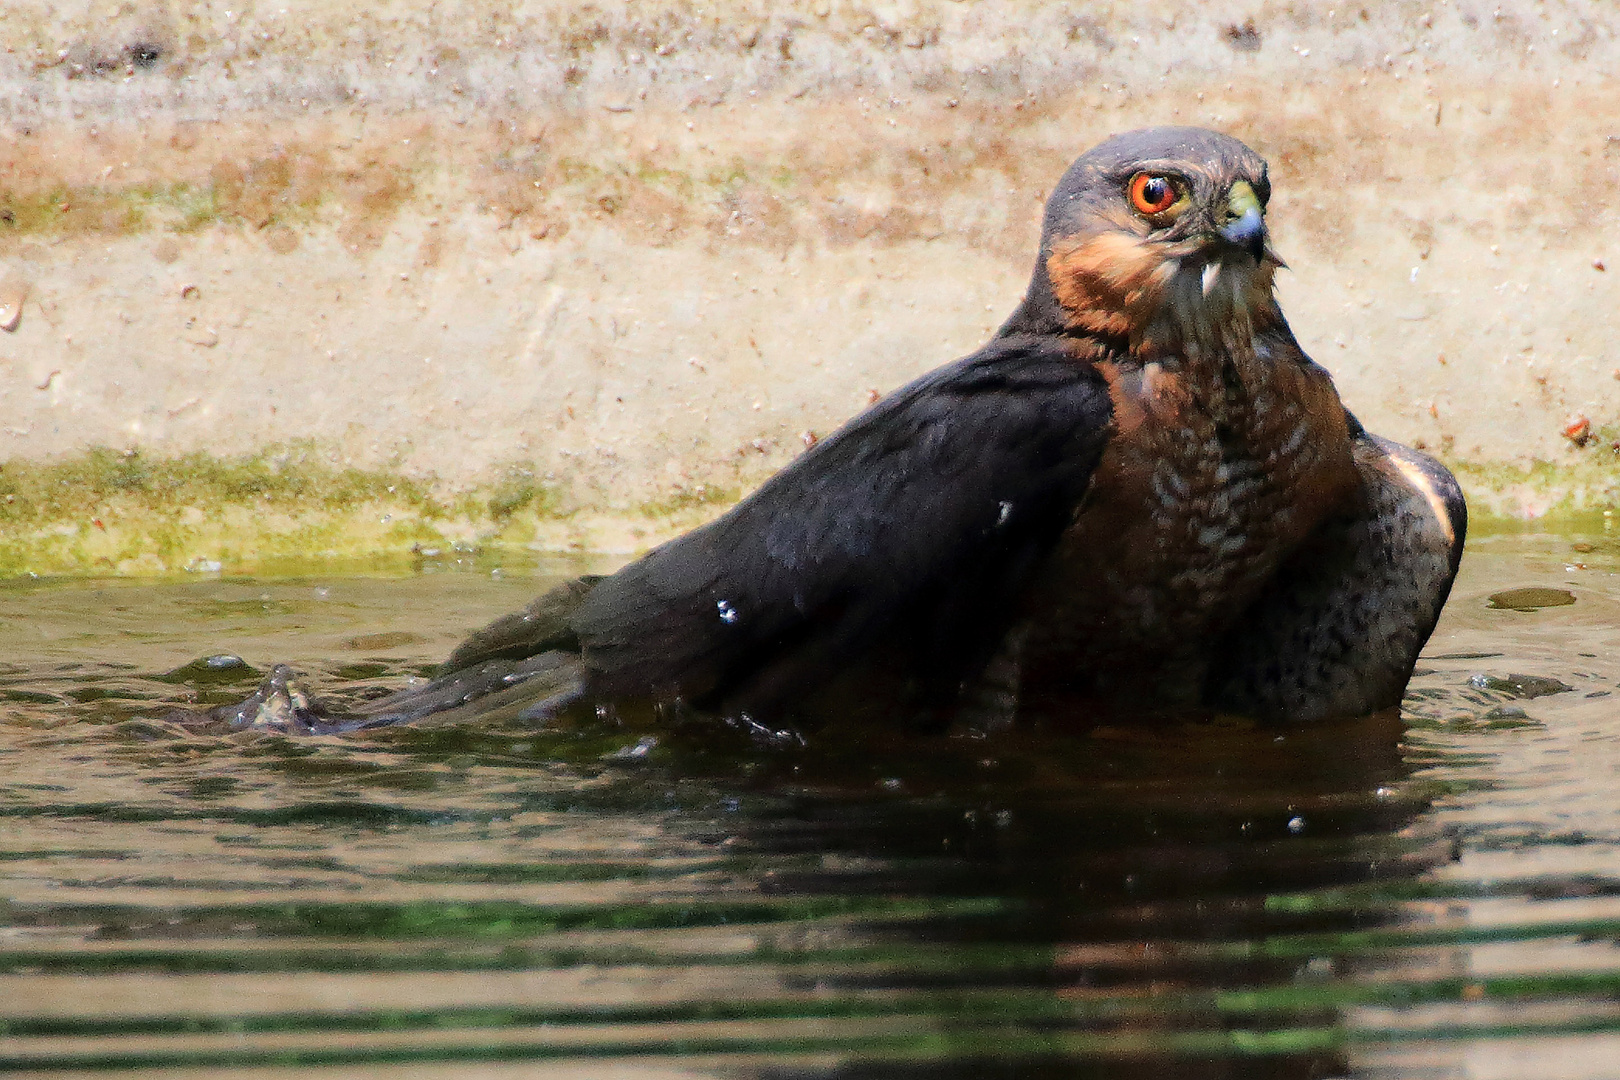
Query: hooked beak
[1245, 225]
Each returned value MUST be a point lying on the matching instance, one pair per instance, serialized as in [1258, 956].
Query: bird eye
[1152, 194]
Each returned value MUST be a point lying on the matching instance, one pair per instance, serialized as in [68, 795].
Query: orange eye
[1152, 194]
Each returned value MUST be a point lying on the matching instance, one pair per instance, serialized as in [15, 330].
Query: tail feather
[531, 690]
[541, 627]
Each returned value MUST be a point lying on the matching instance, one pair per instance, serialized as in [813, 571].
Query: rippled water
[1424, 896]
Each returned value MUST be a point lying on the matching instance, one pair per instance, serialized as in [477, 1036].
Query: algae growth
[129, 513]
[293, 506]
[1558, 496]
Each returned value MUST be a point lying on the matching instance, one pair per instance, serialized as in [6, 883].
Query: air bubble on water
[1296, 824]
[728, 613]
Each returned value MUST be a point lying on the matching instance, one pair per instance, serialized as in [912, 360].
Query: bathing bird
[1141, 493]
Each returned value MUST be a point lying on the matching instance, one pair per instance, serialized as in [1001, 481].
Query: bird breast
[1222, 462]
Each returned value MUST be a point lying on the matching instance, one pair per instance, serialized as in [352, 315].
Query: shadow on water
[600, 898]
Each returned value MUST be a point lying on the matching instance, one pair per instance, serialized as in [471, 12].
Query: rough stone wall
[641, 249]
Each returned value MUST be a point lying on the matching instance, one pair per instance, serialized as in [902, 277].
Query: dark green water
[1435, 895]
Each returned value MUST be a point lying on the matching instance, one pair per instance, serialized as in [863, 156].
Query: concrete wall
[640, 249]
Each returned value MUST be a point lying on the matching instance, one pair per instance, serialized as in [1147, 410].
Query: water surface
[1429, 895]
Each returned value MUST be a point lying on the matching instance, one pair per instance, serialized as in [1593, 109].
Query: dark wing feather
[932, 506]
[540, 627]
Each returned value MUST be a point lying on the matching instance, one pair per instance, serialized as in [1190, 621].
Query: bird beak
[1245, 224]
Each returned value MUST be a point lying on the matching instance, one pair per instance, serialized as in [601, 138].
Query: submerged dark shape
[1141, 492]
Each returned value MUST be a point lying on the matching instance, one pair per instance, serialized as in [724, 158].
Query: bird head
[1155, 236]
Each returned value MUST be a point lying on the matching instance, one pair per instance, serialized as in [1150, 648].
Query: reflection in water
[1137, 875]
[1425, 895]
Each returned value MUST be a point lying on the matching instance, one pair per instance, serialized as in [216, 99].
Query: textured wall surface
[638, 250]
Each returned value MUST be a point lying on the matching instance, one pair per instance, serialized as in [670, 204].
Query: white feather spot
[1425, 487]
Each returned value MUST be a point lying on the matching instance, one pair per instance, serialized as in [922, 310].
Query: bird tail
[531, 690]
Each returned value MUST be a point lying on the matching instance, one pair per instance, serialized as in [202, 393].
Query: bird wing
[1338, 630]
[540, 627]
[933, 506]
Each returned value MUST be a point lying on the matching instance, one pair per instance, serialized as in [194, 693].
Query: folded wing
[923, 516]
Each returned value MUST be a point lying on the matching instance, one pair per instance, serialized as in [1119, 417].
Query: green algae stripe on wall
[124, 512]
